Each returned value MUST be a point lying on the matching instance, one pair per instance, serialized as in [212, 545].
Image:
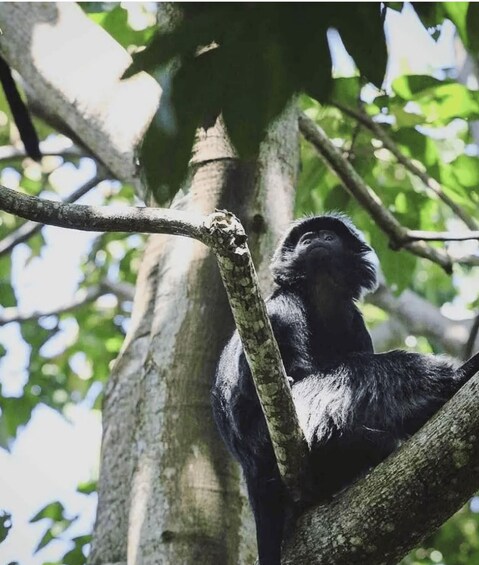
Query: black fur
[316, 323]
[354, 407]
[356, 412]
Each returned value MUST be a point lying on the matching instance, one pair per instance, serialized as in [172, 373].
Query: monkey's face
[326, 250]
[320, 245]
[321, 252]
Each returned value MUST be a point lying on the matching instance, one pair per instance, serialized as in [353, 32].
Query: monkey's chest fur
[347, 436]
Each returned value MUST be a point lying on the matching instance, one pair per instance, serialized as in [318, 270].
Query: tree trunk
[168, 492]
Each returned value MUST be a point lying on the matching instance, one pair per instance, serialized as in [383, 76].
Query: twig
[367, 197]
[29, 229]
[441, 235]
[82, 297]
[123, 291]
[428, 181]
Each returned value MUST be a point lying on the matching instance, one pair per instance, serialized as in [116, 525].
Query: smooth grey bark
[168, 491]
[73, 68]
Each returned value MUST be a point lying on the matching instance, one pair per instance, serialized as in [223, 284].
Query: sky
[51, 455]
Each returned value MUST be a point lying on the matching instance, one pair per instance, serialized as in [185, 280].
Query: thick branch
[382, 517]
[431, 183]
[366, 196]
[29, 229]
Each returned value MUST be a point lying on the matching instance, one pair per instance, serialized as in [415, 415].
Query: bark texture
[168, 491]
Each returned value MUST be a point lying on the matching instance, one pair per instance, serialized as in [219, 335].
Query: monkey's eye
[306, 239]
[327, 235]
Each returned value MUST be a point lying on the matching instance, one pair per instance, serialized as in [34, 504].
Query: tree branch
[441, 235]
[29, 229]
[422, 318]
[262, 351]
[103, 218]
[224, 234]
[431, 183]
[122, 290]
[367, 197]
[55, 148]
[381, 518]
[82, 297]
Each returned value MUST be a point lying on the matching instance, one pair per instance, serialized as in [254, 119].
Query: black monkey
[320, 268]
[354, 407]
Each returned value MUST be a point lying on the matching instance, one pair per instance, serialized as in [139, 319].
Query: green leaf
[305, 49]
[460, 179]
[87, 488]
[416, 145]
[45, 540]
[430, 13]
[54, 511]
[346, 91]
[167, 145]
[258, 87]
[450, 101]
[408, 86]
[337, 199]
[115, 22]
[5, 524]
[396, 6]
[15, 412]
[362, 32]
[457, 13]
[398, 266]
[198, 28]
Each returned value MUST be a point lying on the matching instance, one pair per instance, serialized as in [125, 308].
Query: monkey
[321, 267]
[355, 407]
[20, 112]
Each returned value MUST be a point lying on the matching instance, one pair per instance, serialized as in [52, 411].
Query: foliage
[245, 60]
[58, 524]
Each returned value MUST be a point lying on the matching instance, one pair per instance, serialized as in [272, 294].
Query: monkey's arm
[399, 391]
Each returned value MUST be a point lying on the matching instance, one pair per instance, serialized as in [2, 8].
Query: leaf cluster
[245, 61]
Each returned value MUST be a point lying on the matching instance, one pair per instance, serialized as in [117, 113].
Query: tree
[168, 492]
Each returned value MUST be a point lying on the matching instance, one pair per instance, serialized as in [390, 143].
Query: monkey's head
[329, 248]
